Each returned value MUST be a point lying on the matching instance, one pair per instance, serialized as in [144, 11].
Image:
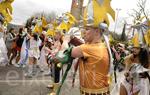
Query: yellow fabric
[63, 26]
[108, 8]
[148, 37]
[44, 22]
[55, 24]
[72, 19]
[37, 29]
[6, 10]
[93, 70]
[99, 13]
[67, 25]
[50, 33]
[135, 40]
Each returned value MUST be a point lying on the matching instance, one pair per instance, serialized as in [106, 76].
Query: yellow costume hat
[96, 13]
[147, 37]
[138, 41]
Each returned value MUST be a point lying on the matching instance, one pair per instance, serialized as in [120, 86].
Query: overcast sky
[23, 9]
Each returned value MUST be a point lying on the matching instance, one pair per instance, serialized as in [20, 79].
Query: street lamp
[118, 10]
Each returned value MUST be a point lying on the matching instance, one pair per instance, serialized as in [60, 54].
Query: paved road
[13, 82]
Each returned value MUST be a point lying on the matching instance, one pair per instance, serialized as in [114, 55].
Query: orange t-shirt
[94, 68]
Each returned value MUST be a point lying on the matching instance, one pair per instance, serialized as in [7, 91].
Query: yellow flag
[50, 33]
[6, 10]
[37, 29]
[44, 22]
[55, 24]
[72, 19]
[63, 26]
[135, 40]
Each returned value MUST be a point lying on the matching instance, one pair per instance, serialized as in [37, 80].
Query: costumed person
[24, 51]
[3, 49]
[49, 43]
[42, 62]
[94, 62]
[137, 79]
[55, 68]
[11, 45]
[5, 17]
[34, 53]
[43, 65]
[119, 53]
[94, 55]
[67, 22]
[19, 42]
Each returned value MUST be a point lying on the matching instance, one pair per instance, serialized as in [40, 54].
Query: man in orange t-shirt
[94, 62]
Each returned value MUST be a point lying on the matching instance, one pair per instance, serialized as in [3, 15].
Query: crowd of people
[50, 46]
[31, 49]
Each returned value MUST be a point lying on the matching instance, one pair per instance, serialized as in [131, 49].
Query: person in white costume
[34, 53]
[3, 49]
[136, 80]
[24, 53]
[42, 62]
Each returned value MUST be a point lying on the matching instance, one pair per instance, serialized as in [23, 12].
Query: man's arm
[77, 52]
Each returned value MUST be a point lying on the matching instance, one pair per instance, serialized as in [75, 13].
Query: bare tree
[139, 13]
[142, 6]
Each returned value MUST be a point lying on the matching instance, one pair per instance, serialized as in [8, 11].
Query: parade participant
[94, 62]
[24, 50]
[3, 49]
[55, 68]
[19, 42]
[34, 53]
[95, 56]
[136, 74]
[42, 62]
[11, 45]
